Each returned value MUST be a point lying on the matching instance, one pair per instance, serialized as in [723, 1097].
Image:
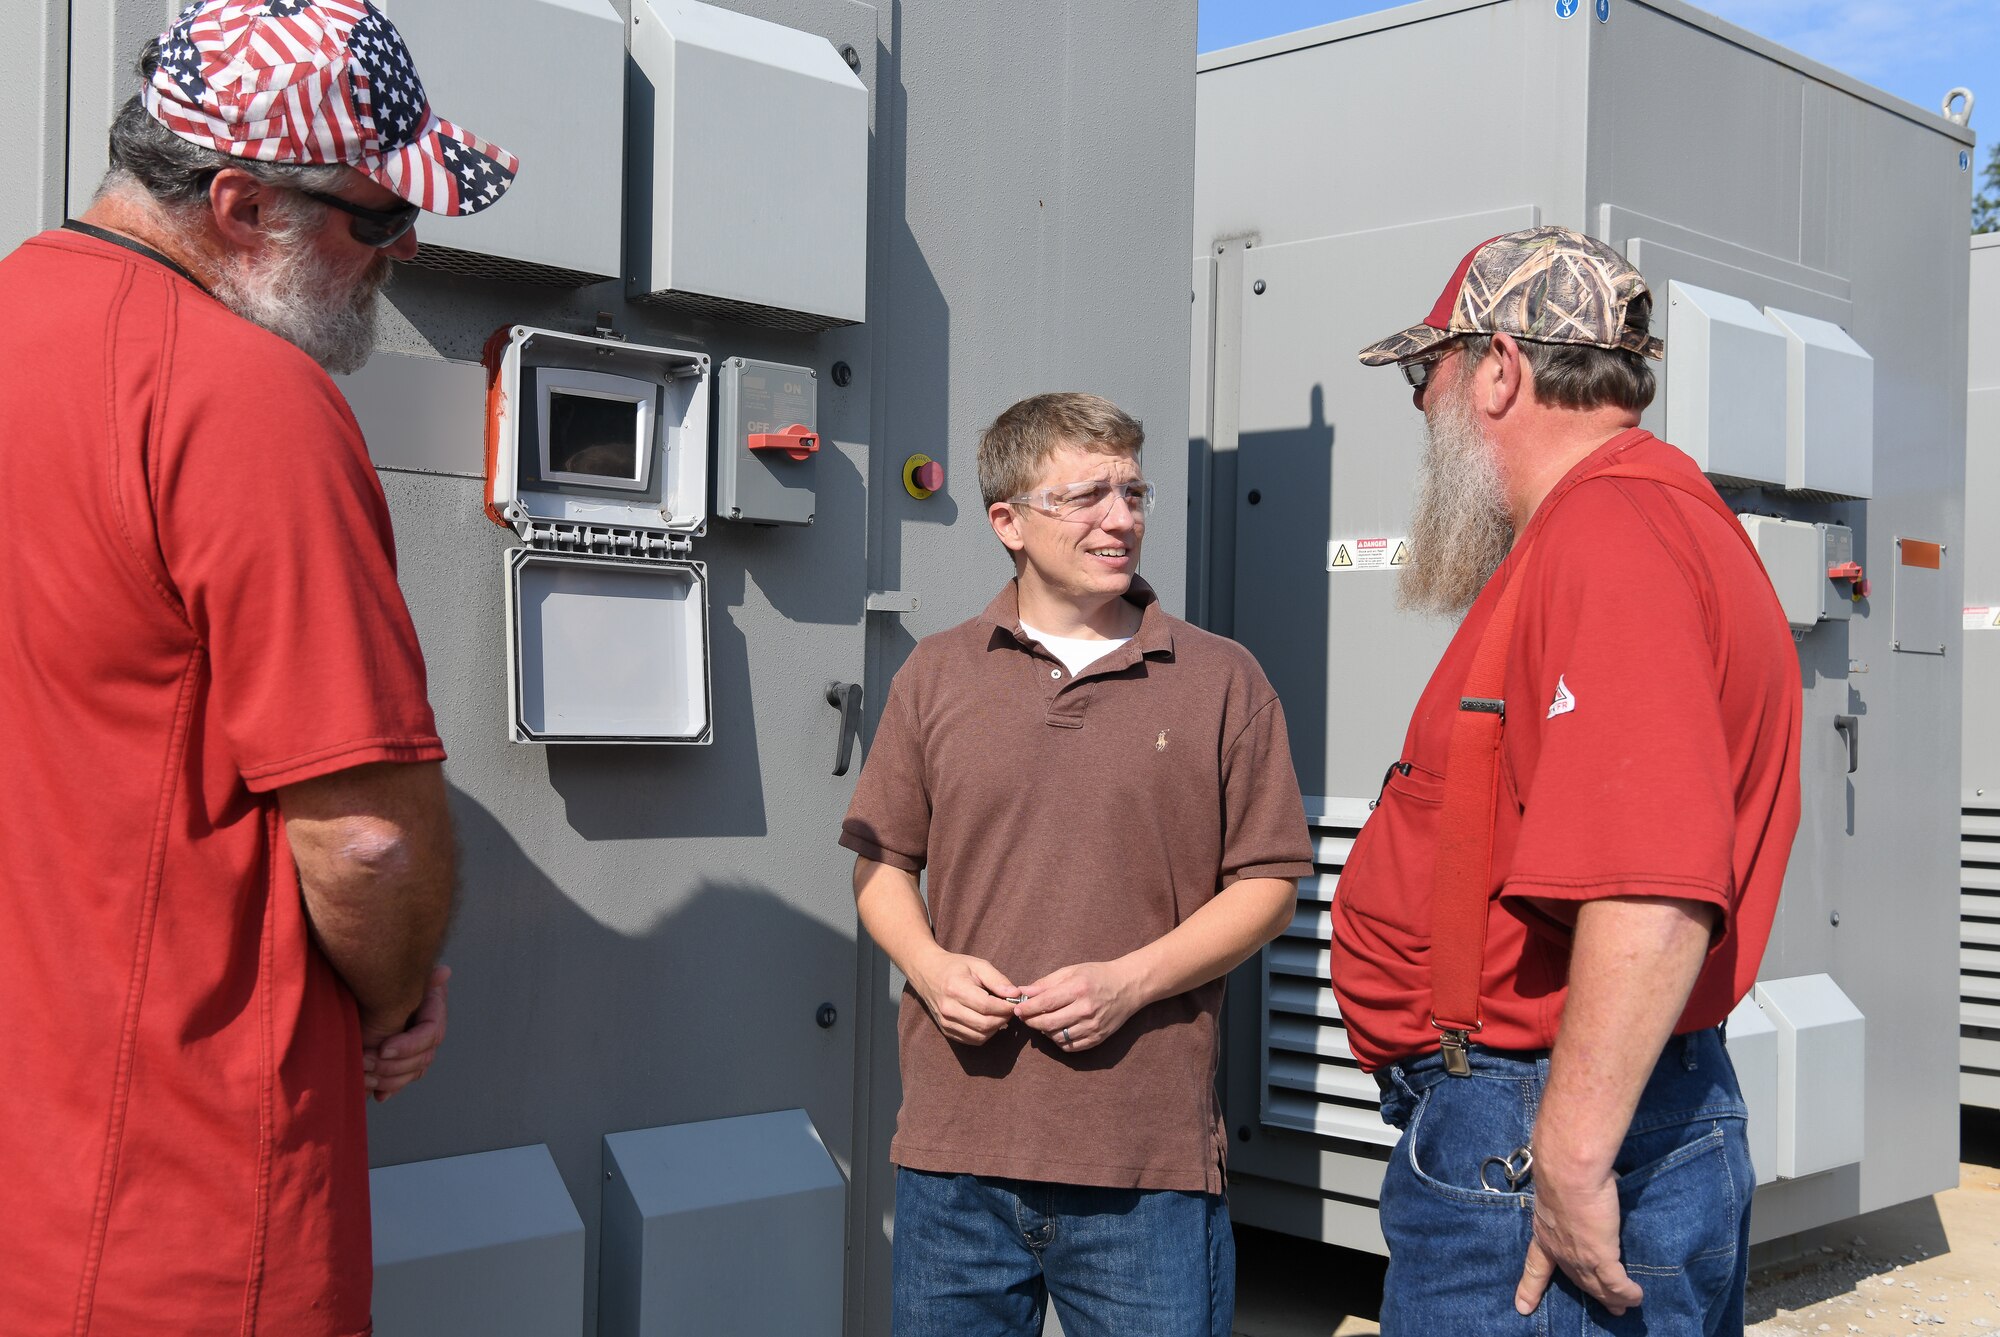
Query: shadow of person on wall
[588, 999]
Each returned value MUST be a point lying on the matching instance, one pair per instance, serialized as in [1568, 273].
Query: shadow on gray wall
[1283, 508]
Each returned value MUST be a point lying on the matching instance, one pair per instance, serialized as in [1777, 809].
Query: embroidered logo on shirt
[1564, 702]
[1160, 743]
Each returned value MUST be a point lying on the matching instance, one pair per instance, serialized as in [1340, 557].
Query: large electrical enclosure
[1979, 959]
[661, 1009]
[1801, 234]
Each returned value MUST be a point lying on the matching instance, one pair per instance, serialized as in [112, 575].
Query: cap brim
[447, 170]
[1413, 342]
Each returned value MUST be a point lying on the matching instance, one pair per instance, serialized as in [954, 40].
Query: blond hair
[1013, 450]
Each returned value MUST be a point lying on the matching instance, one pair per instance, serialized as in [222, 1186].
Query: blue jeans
[1457, 1242]
[979, 1257]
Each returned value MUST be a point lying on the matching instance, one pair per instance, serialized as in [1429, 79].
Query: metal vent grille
[1979, 956]
[743, 313]
[450, 260]
[1309, 1080]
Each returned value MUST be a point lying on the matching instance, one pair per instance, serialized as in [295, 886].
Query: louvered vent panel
[1310, 1082]
[1979, 956]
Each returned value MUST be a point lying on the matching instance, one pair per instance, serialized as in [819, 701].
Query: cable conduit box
[1725, 376]
[748, 153]
[727, 1226]
[559, 222]
[1822, 1039]
[1829, 409]
[487, 1245]
[1753, 1052]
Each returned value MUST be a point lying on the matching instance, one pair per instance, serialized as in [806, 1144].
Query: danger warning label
[1982, 617]
[1368, 554]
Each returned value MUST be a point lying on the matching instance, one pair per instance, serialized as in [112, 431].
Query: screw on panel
[851, 56]
[1243, 1132]
[842, 373]
[826, 1016]
[1834, 919]
[1258, 287]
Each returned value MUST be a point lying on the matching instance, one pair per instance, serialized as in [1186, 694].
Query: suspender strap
[1462, 880]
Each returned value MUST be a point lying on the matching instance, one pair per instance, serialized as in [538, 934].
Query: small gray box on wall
[487, 1245]
[766, 442]
[724, 1226]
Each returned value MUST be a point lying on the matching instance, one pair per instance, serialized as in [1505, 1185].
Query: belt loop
[1690, 1060]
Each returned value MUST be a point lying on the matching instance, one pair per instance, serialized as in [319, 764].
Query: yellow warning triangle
[1402, 556]
[1340, 557]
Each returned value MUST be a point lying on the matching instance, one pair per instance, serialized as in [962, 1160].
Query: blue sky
[1915, 49]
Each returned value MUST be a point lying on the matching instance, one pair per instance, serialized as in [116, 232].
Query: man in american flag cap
[229, 862]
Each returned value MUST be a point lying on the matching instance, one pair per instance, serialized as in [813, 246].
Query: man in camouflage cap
[1570, 876]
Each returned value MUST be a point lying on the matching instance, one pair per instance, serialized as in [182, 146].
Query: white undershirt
[1076, 653]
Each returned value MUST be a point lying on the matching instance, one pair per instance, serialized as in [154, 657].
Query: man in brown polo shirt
[1101, 798]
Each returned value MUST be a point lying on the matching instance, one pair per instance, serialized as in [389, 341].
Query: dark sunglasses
[371, 227]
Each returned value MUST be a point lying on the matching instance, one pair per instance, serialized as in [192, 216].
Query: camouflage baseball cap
[1548, 284]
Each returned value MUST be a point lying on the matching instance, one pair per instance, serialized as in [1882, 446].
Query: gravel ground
[1926, 1269]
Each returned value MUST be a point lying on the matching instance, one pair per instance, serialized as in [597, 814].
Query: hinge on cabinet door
[607, 541]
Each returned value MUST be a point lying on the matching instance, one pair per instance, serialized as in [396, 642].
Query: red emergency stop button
[922, 476]
[797, 441]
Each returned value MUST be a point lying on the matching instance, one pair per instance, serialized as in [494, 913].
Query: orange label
[1916, 552]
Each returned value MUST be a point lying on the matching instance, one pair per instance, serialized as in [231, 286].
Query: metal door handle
[846, 698]
[1849, 727]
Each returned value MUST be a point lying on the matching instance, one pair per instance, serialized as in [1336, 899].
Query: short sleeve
[889, 818]
[1264, 820]
[275, 533]
[1628, 788]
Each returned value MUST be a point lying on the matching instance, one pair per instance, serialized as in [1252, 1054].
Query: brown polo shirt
[1063, 819]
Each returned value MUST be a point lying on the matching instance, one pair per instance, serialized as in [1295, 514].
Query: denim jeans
[979, 1257]
[1458, 1230]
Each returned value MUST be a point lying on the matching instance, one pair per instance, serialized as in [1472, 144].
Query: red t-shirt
[1651, 749]
[198, 606]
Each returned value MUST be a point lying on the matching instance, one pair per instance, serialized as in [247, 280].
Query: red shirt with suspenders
[1649, 746]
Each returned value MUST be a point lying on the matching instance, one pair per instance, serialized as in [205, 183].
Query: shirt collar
[1154, 636]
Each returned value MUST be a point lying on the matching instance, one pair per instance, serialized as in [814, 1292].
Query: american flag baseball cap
[319, 81]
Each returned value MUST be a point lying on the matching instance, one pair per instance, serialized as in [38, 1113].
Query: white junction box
[1792, 553]
[1725, 378]
[1753, 1052]
[1829, 408]
[598, 459]
[749, 169]
[1821, 1065]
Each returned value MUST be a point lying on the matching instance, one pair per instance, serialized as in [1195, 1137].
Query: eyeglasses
[371, 227]
[1088, 499]
[1419, 372]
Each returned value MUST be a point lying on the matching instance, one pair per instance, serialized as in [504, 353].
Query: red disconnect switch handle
[1844, 571]
[797, 441]
[929, 477]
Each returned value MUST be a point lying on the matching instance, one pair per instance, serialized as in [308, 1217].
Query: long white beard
[302, 298]
[1461, 529]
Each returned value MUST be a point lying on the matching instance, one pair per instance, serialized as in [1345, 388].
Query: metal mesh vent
[743, 313]
[1979, 956]
[450, 260]
[1310, 1081]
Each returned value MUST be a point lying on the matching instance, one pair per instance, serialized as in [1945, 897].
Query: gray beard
[296, 295]
[1461, 529]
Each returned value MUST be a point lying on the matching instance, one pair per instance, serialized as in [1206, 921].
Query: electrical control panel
[597, 459]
